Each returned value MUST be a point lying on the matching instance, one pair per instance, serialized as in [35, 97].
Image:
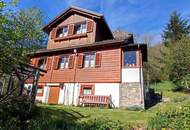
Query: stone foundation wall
[131, 95]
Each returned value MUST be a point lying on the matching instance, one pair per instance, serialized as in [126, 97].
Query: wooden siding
[81, 39]
[109, 71]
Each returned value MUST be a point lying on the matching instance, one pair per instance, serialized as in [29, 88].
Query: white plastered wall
[130, 75]
[67, 96]
[107, 89]
[45, 94]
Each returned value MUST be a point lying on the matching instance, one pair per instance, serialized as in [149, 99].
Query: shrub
[178, 118]
[15, 113]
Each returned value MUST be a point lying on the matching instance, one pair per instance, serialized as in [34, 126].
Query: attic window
[62, 31]
[80, 28]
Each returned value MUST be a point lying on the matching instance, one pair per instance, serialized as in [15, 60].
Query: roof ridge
[86, 10]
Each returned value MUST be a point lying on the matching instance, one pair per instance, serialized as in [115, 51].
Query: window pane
[65, 31]
[59, 32]
[83, 27]
[39, 90]
[66, 61]
[87, 91]
[86, 60]
[41, 63]
[62, 63]
[78, 29]
[92, 60]
[130, 58]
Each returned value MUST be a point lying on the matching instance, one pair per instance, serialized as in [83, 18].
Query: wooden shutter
[90, 25]
[32, 61]
[48, 63]
[53, 33]
[71, 29]
[71, 61]
[36, 62]
[56, 62]
[98, 57]
[80, 61]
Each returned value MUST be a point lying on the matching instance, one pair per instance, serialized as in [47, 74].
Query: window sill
[64, 69]
[136, 66]
[75, 36]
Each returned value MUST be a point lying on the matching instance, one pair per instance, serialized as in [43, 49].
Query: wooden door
[54, 95]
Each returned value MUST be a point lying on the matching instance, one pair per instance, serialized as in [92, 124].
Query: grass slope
[80, 114]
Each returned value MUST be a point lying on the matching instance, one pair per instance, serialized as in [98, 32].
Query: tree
[176, 28]
[180, 63]
[20, 33]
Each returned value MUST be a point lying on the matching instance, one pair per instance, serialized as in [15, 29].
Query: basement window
[40, 90]
[87, 90]
[130, 58]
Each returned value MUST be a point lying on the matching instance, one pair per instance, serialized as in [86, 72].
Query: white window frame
[81, 28]
[65, 59]
[64, 31]
[89, 62]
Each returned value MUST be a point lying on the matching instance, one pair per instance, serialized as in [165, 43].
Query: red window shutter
[48, 63]
[71, 61]
[71, 29]
[56, 63]
[32, 61]
[53, 33]
[90, 25]
[36, 62]
[80, 61]
[98, 59]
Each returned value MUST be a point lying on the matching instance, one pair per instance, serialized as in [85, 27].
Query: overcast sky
[140, 17]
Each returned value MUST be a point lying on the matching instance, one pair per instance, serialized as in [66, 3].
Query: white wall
[108, 89]
[45, 94]
[66, 96]
[130, 75]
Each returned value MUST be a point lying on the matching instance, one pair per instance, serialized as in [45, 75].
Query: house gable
[72, 19]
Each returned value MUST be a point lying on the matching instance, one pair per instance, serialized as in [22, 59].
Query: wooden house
[86, 65]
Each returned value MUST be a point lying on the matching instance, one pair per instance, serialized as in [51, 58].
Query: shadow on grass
[51, 117]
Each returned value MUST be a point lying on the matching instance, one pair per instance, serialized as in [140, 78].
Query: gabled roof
[73, 9]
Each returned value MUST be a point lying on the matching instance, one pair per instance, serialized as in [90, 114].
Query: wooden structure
[20, 75]
[83, 59]
[95, 100]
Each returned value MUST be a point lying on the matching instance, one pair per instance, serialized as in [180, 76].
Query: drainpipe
[76, 54]
[140, 72]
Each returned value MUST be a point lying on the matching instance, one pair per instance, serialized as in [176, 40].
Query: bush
[15, 113]
[178, 118]
[184, 82]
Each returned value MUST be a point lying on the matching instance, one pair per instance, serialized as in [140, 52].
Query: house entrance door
[54, 95]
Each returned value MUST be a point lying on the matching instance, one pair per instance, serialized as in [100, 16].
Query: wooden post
[34, 87]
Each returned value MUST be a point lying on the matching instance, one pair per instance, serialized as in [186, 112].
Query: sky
[140, 17]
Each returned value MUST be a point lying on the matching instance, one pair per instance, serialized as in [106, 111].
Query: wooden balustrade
[94, 100]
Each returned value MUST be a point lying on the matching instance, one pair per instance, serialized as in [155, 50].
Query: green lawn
[125, 116]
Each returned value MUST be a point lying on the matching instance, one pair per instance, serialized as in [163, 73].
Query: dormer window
[62, 31]
[80, 28]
